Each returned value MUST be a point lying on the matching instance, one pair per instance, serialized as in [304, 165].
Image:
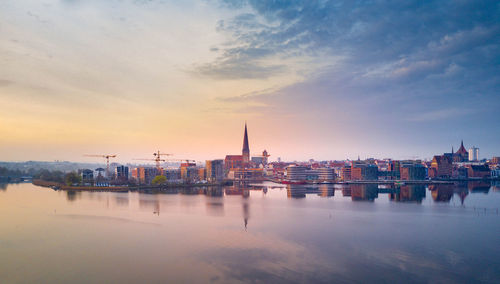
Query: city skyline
[337, 80]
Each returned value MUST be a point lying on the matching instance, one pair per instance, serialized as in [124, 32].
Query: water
[358, 233]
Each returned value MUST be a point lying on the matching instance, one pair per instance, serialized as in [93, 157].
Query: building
[121, 173]
[412, 172]
[246, 174]
[86, 175]
[346, 173]
[144, 175]
[258, 160]
[441, 167]
[172, 175]
[393, 169]
[245, 152]
[478, 171]
[326, 174]
[214, 170]
[189, 172]
[296, 173]
[312, 174]
[495, 173]
[461, 155]
[233, 162]
[360, 171]
[474, 154]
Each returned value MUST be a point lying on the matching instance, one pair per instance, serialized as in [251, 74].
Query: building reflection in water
[441, 192]
[364, 192]
[296, 191]
[479, 186]
[72, 195]
[408, 193]
[346, 191]
[215, 203]
[326, 190]
[462, 191]
[300, 191]
[122, 201]
[150, 202]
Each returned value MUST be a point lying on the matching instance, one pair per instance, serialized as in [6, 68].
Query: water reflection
[300, 191]
[408, 193]
[252, 234]
[72, 195]
[479, 186]
[364, 192]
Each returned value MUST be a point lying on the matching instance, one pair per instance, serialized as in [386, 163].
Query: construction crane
[182, 160]
[107, 161]
[157, 158]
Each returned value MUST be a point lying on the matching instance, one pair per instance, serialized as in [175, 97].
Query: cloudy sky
[313, 79]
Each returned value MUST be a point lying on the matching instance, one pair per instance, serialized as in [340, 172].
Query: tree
[72, 178]
[158, 180]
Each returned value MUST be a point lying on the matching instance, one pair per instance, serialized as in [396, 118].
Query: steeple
[246, 149]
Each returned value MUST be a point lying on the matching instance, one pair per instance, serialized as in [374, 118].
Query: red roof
[462, 150]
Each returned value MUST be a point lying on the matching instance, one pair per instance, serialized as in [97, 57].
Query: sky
[313, 79]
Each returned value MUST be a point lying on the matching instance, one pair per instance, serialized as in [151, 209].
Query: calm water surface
[357, 233]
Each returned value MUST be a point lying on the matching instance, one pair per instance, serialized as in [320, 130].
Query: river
[263, 233]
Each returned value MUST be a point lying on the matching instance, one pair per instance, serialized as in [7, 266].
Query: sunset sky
[313, 79]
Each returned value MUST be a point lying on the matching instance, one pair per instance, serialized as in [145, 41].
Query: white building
[473, 154]
[326, 174]
[296, 173]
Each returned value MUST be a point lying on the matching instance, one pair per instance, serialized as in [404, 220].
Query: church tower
[246, 149]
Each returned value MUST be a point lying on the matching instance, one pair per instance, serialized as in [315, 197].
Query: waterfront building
[412, 172]
[441, 167]
[215, 170]
[326, 174]
[361, 171]
[189, 172]
[296, 173]
[393, 169]
[478, 171]
[201, 174]
[460, 172]
[495, 173]
[473, 154]
[121, 173]
[86, 175]
[312, 174]
[346, 173]
[246, 174]
[495, 160]
[173, 175]
[145, 175]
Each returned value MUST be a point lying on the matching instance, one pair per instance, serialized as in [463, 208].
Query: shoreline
[61, 186]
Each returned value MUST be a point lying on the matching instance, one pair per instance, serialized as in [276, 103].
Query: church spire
[246, 148]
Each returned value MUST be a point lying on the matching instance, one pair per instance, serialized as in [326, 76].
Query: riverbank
[125, 188]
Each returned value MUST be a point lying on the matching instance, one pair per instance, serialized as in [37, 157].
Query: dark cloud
[439, 49]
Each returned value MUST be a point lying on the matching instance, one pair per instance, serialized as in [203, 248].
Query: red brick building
[478, 171]
[441, 167]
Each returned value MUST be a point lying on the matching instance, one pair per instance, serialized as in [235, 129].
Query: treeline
[6, 172]
[46, 175]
